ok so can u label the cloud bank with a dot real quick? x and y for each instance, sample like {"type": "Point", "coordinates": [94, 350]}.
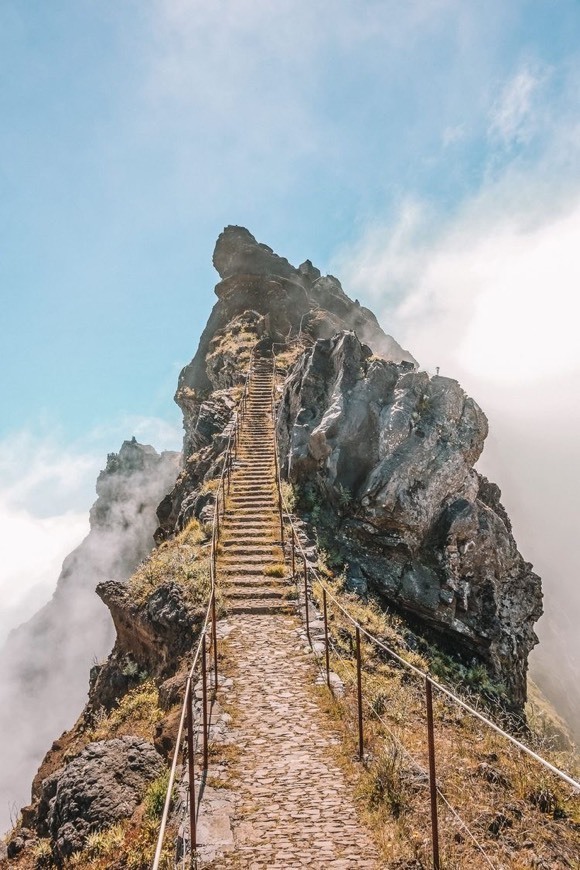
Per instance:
{"type": "Point", "coordinates": [490, 295]}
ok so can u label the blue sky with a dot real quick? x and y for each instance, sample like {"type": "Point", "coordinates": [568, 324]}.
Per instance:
{"type": "Point", "coordinates": [421, 150]}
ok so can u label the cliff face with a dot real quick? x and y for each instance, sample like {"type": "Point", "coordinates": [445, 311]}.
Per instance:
{"type": "Point", "coordinates": [393, 450]}
{"type": "Point", "coordinates": [44, 665]}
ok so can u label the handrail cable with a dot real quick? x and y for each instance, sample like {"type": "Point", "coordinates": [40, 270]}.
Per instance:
{"type": "Point", "coordinates": [396, 741]}
{"type": "Point", "coordinates": [211, 602]}
{"type": "Point", "coordinates": [424, 675]}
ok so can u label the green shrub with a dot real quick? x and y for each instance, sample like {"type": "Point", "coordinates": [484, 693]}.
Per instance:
{"type": "Point", "coordinates": [155, 796]}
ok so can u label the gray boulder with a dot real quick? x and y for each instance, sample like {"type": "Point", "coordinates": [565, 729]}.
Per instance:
{"type": "Point", "coordinates": [99, 787]}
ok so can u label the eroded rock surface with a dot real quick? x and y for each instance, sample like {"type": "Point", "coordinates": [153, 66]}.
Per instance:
{"type": "Point", "coordinates": [96, 789]}
{"type": "Point", "coordinates": [393, 449]}
{"type": "Point", "coordinates": [152, 636]}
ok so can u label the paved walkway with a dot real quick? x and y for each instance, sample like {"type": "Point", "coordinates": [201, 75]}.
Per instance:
{"type": "Point", "coordinates": [287, 803]}
{"type": "Point", "coordinates": [293, 805]}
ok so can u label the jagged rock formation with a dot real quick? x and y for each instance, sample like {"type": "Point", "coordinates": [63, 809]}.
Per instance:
{"type": "Point", "coordinates": [422, 528]}
{"type": "Point", "coordinates": [260, 296]}
{"type": "Point", "coordinates": [44, 666]}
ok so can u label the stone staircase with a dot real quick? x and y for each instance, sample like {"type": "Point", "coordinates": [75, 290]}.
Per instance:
{"type": "Point", "coordinates": [250, 540]}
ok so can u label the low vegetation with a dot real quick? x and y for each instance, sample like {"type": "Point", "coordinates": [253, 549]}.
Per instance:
{"type": "Point", "coordinates": [497, 806]}
{"type": "Point", "coordinates": [278, 569]}
{"type": "Point", "coordinates": [184, 560]}
{"type": "Point", "coordinates": [137, 713]}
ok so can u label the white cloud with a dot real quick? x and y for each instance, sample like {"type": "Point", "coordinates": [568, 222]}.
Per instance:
{"type": "Point", "coordinates": [454, 134]}
{"type": "Point", "coordinates": [46, 490]}
{"type": "Point", "coordinates": [491, 296]}
{"type": "Point", "coordinates": [512, 115]}
{"type": "Point", "coordinates": [505, 295]}
{"type": "Point", "coordinates": [40, 474]}
{"type": "Point", "coordinates": [45, 494]}
{"type": "Point", "coordinates": [33, 550]}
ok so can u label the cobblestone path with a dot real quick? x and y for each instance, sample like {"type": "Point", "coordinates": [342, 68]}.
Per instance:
{"type": "Point", "coordinates": [293, 805]}
{"type": "Point", "coordinates": [287, 803]}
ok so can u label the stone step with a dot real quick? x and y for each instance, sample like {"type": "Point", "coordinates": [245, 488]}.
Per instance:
{"type": "Point", "coordinates": [235, 569]}
{"type": "Point", "coordinates": [235, 502]}
{"type": "Point", "coordinates": [252, 498]}
{"type": "Point", "coordinates": [260, 607]}
{"type": "Point", "coordinates": [252, 560]}
{"type": "Point", "coordinates": [243, 580]}
{"type": "Point", "coordinates": [247, 533]}
{"type": "Point", "coordinates": [250, 472]}
{"type": "Point", "coordinates": [254, 520]}
{"type": "Point", "coordinates": [251, 549]}
{"type": "Point", "coordinates": [253, 592]}
{"type": "Point", "coordinates": [253, 491]}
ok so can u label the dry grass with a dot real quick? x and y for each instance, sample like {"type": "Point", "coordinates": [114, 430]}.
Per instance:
{"type": "Point", "coordinates": [521, 815]}
{"type": "Point", "coordinates": [185, 560]}
{"type": "Point", "coordinates": [137, 713]}
{"type": "Point", "coordinates": [278, 569]}
{"type": "Point", "coordinates": [130, 845]}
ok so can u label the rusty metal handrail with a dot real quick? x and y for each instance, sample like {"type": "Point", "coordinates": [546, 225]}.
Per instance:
{"type": "Point", "coordinates": [200, 650]}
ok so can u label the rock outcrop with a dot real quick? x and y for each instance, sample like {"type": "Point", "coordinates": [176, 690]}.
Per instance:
{"type": "Point", "coordinates": [45, 664]}
{"type": "Point", "coordinates": [152, 636]}
{"type": "Point", "coordinates": [99, 787]}
{"type": "Point", "coordinates": [393, 450]}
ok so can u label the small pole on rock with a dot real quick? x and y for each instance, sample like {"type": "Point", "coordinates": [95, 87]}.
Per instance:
{"type": "Point", "coordinates": [293, 555]}
{"type": "Point", "coordinates": [326, 638]}
{"type": "Point", "coordinates": [306, 598]}
{"type": "Point", "coordinates": [204, 700]}
{"type": "Point", "coordinates": [359, 696]}
{"type": "Point", "coordinates": [191, 770]}
{"type": "Point", "coordinates": [432, 777]}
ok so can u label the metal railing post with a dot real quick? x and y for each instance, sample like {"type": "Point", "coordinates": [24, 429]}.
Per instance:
{"type": "Point", "coordinates": [281, 517]}
{"type": "Point", "coordinates": [359, 696]}
{"type": "Point", "coordinates": [191, 771]}
{"type": "Point", "coordinates": [214, 641]}
{"type": "Point", "coordinates": [204, 700]}
{"type": "Point", "coordinates": [293, 555]}
{"type": "Point", "coordinates": [307, 617]}
{"type": "Point", "coordinates": [326, 655]}
{"type": "Point", "coordinates": [215, 552]}
{"type": "Point", "coordinates": [432, 777]}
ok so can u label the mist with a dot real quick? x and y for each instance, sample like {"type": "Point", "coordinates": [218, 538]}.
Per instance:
{"type": "Point", "coordinates": [45, 663]}
{"type": "Point", "coordinates": [490, 296]}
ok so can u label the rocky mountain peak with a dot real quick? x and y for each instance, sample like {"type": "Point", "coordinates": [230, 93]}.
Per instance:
{"type": "Point", "coordinates": [389, 450]}
{"type": "Point", "coordinates": [238, 253]}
